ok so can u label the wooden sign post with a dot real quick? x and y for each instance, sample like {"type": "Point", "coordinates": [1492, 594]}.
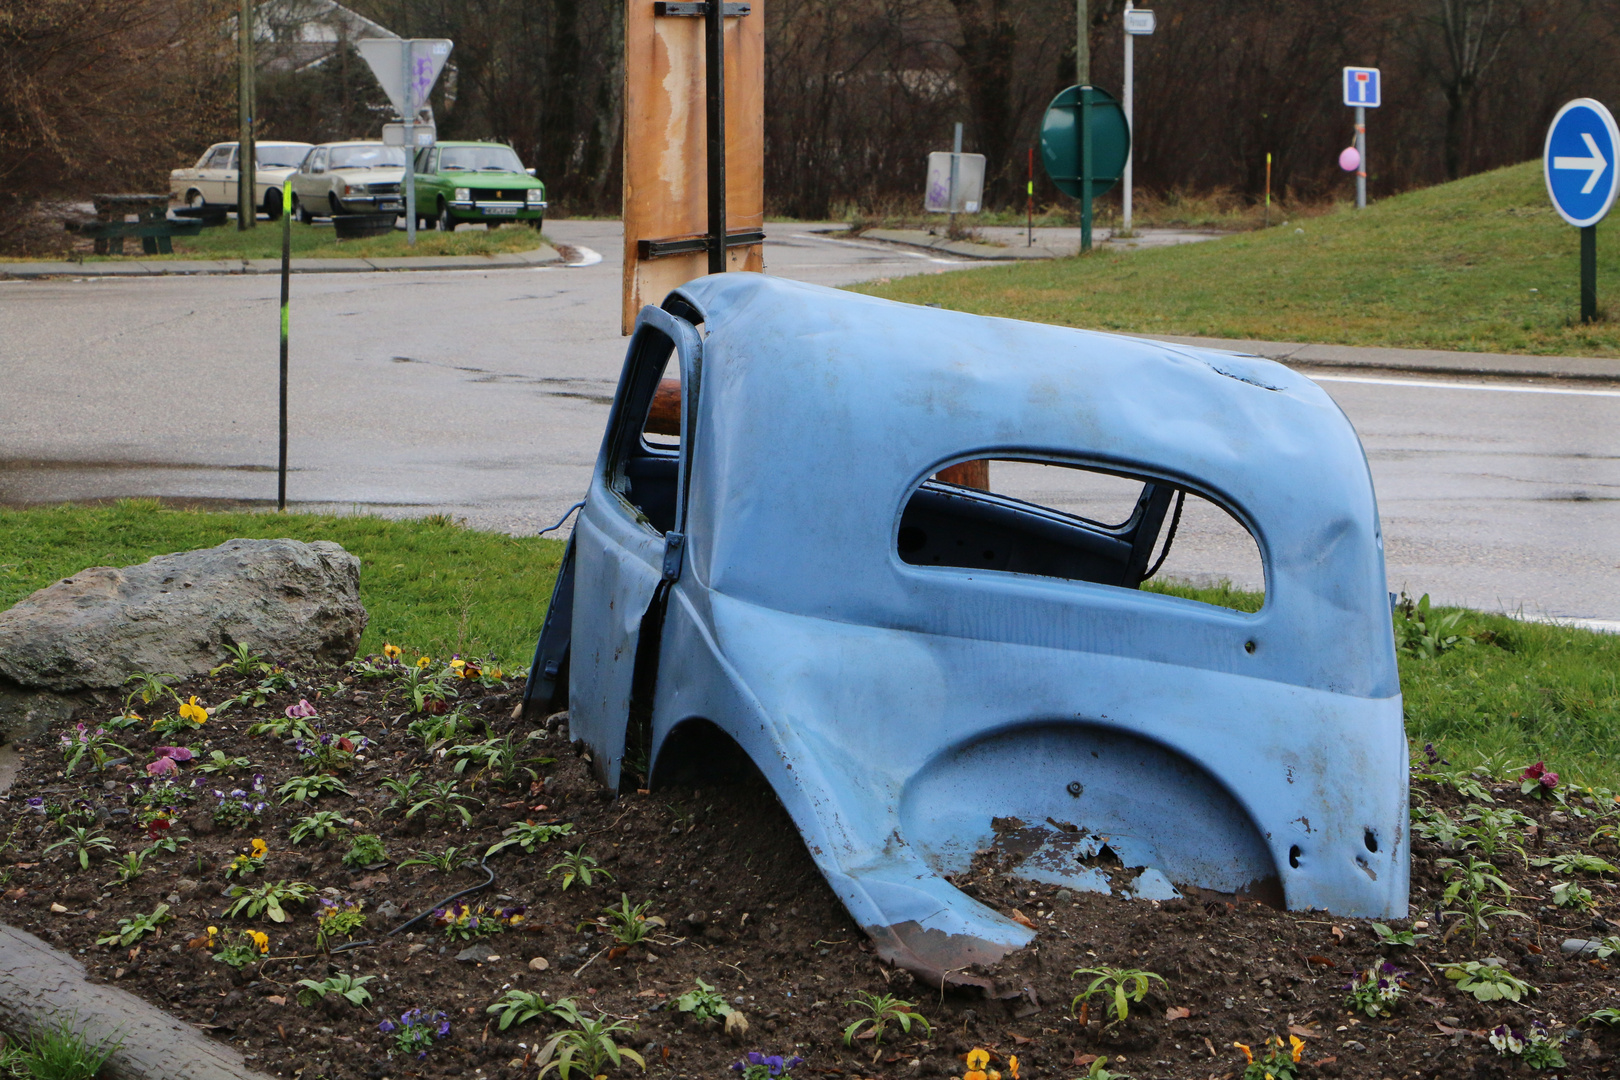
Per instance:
{"type": "Point", "coordinates": [689, 181]}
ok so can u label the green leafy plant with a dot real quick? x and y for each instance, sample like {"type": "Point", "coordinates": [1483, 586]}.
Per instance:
{"type": "Point", "coordinates": [282, 726]}
{"type": "Point", "coordinates": [1538, 1050]}
{"type": "Point", "coordinates": [1468, 893]}
{"type": "Point", "coordinates": [351, 988]}
{"type": "Point", "coordinates": [1493, 829]}
{"type": "Point", "coordinates": [443, 802]}
{"type": "Point", "coordinates": [1570, 894]}
{"type": "Point", "coordinates": [244, 661]}
{"type": "Point", "coordinates": [1098, 1070]}
{"type": "Point", "coordinates": [467, 922]}
{"type": "Point", "coordinates": [447, 861]}
{"type": "Point", "coordinates": [1421, 633]}
{"type": "Point", "coordinates": [249, 946]}
{"type": "Point", "coordinates": [82, 841]}
{"type": "Point", "coordinates": [58, 1051]}
{"type": "Point", "coordinates": [93, 743]}
{"type": "Point", "coordinates": [403, 791]}
{"type": "Point", "coordinates": [587, 1047]}
{"type": "Point", "coordinates": [135, 927]}
{"type": "Point", "coordinates": [629, 925]}
{"type": "Point", "coordinates": [500, 759]}
{"type": "Point", "coordinates": [1119, 986]}
{"type": "Point", "coordinates": [1277, 1061]}
{"type": "Point", "coordinates": [319, 825]}
{"type": "Point", "coordinates": [271, 898]}
{"type": "Point", "coordinates": [884, 1009]}
{"type": "Point", "coordinates": [528, 836]}
{"type": "Point", "coordinates": [307, 788]}
{"type": "Point", "coordinates": [521, 1006]}
{"type": "Point", "coordinates": [1488, 980]}
{"type": "Point", "coordinates": [147, 689]}
{"type": "Point", "coordinates": [1396, 939]}
{"type": "Point", "coordinates": [416, 1031]}
{"type": "Point", "coordinates": [133, 866]}
{"type": "Point", "coordinates": [703, 1002]}
{"type": "Point", "coordinates": [1607, 1017]}
{"type": "Point", "coordinates": [366, 849]}
{"type": "Point", "coordinates": [1575, 862]}
{"type": "Point", "coordinates": [424, 687]}
{"type": "Point", "coordinates": [335, 920]}
{"type": "Point", "coordinates": [1377, 991]}
{"type": "Point", "coordinates": [578, 866]}
{"type": "Point", "coordinates": [217, 762]}
{"type": "Point", "coordinates": [1435, 825]}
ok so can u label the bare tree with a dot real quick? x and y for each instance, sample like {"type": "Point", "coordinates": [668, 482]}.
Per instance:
{"type": "Point", "coordinates": [1457, 43]}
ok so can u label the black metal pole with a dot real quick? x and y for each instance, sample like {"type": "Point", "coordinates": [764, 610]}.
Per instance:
{"type": "Point", "coordinates": [286, 268]}
{"type": "Point", "coordinates": [1589, 273]}
{"type": "Point", "coordinates": [714, 55]}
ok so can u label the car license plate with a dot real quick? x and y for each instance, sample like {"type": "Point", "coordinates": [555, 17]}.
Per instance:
{"type": "Point", "coordinates": [498, 209]}
{"type": "Point", "coordinates": [389, 206]}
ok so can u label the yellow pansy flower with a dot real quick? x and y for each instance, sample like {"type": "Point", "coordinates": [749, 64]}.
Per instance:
{"type": "Point", "coordinates": [1298, 1044]}
{"type": "Point", "coordinates": [193, 711]}
{"type": "Point", "coordinates": [1247, 1053]}
{"type": "Point", "coordinates": [260, 848]}
{"type": "Point", "coordinates": [423, 661]}
{"type": "Point", "coordinates": [391, 651]}
{"type": "Point", "coordinates": [261, 940]}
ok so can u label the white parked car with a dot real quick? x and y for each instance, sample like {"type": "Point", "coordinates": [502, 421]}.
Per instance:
{"type": "Point", "coordinates": [213, 180]}
{"type": "Point", "coordinates": [349, 178]}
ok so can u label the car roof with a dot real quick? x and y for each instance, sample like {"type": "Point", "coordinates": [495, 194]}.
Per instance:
{"type": "Point", "coordinates": [474, 142]}
{"type": "Point", "coordinates": [905, 390]}
{"type": "Point", "coordinates": [351, 142]}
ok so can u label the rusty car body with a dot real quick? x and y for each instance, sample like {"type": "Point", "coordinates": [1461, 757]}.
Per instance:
{"type": "Point", "coordinates": [751, 589]}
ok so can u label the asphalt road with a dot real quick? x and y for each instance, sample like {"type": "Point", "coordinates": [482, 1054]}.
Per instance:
{"type": "Point", "coordinates": [483, 394]}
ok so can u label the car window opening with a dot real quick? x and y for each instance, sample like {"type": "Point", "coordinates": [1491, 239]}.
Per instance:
{"type": "Point", "coordinates": [652, 459]}
{"type": "Point", "coordinates": [1077, 523]}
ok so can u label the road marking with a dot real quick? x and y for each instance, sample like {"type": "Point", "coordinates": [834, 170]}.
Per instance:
{"type": "Point", "coordinates": [587, 257]}
{"type": "Point", "coordinates": [1424, 384]}
{"type": "Point", "coordinates": [896, 250]}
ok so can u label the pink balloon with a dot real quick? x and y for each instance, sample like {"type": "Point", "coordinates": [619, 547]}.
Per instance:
{"type": "Point", "coordinates": [1350, 159]}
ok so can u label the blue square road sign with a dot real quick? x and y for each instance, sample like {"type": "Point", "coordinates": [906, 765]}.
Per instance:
{"type": "Point", "coordinates": [1362, 87]}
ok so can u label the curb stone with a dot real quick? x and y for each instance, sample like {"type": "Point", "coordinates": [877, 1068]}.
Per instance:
{"type": "Point", "coordinates": [545, 255]}
{"type": "Point", "coordinates": [41, 986]}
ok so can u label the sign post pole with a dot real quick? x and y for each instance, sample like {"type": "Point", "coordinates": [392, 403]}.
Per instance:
{"type": "Point", "coordinates": [411, 107]}
{"type": "Point", "coordinates": [1363, 90]}
{"type": "Point", "coordinates": [1361, 149]}
{"type": "Point", "coordinates": [1579, 163]}
{"type": "Point", "coordinates": [956, 172]}
{"type": "Point", "coordinates": [1130, 83]}
{"type": "Point", "coordinates": [286, 268]}
{"type": "Point", "coordinates": [1082, 78]}
{"type": "Point", "coordinates": [407, 70]}
{"type": "Point", "coordinates": [1589, 274]}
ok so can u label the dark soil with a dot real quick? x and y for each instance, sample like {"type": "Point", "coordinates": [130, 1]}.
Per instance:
{"type": "Point", "coordinates": [747, 912]}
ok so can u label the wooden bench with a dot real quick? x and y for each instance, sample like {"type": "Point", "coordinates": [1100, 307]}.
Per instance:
{"type": "Point", "coordinates": [151, 224]}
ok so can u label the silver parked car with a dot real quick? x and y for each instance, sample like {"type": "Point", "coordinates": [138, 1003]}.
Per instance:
{"type": "Point", "coordinates": [213, 180]}
{"type": "Point", "coordinates": [349, 178]}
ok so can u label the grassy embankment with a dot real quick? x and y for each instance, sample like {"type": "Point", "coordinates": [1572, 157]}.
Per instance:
{"type": "Point", "coordinates": [1511, 693]}
{"type": "Point", "coordinates": [1482, 265]}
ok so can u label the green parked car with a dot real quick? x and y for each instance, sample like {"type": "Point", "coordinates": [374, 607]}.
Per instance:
{"type": "Point", "coordinates": [458, 182]}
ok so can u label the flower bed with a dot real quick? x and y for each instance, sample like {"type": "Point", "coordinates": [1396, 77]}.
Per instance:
{"type": "Point", "coordinates": [241, 853]}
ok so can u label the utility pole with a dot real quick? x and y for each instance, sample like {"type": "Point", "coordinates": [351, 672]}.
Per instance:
{"type": "Point", "coordinates": [246, 208]}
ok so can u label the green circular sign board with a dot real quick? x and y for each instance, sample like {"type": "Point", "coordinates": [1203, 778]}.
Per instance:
{"type": "Point", "coordinates": [1060, 140]}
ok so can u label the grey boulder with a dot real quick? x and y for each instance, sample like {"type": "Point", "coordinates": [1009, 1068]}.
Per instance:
{"type": "Point", "coordinates": [294, 603]}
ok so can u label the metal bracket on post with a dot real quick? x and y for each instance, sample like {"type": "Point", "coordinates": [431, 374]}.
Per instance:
{"type": "Point", "coordinates": [658, 249]}
{"type": "Point", "coordinates": [714, 16]}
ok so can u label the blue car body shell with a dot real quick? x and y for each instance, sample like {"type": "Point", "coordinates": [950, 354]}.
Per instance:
{"type": "Point", "coordinates": [909, 716]}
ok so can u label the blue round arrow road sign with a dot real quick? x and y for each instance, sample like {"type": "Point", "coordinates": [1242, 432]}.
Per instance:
{"type": "Point", "coordinates": [1580, 162]}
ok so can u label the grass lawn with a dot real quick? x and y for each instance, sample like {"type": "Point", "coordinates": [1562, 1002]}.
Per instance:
{"type": "Point", "coordinates": [1482, 264]}
{"type": "Point", "coordinates": [319, 241]}
{"type": "Point", "coordinates": [428, 584]}
{"type": "Point", "coordinates": [1510, 694]}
